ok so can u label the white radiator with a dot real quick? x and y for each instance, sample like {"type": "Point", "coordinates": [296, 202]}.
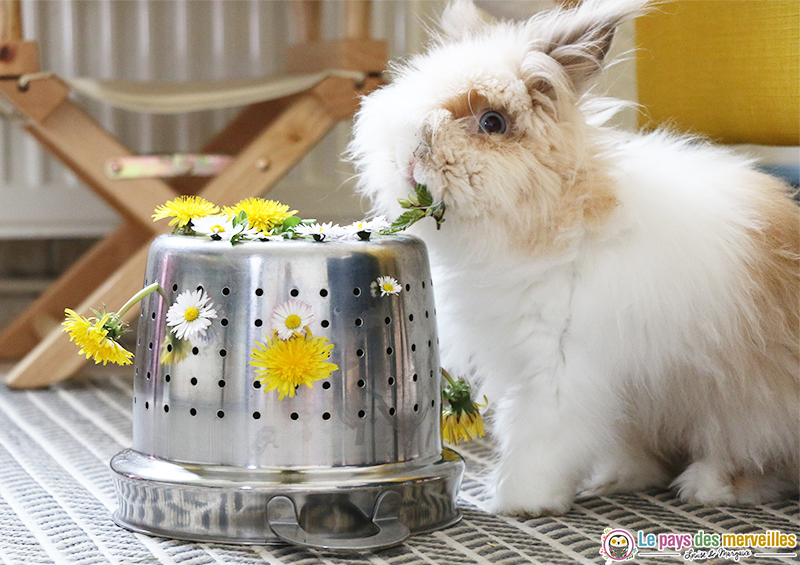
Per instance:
{"type": "Point", "coordinates": [177, 40]}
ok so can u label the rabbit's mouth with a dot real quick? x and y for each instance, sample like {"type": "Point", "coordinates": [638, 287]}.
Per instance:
{"type": "Point", "coordinates": [409, 172]}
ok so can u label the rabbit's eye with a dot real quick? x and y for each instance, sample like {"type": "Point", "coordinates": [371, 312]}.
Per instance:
{"type": "Point", "coordinates": [492, 122]}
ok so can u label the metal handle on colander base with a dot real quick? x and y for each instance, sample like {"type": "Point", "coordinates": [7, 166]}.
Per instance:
{"type": "Point", "coordinates": [282, 520]}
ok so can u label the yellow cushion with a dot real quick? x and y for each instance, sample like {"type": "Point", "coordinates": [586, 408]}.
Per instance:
{"type": "Point", "coordinates": [728, 69]}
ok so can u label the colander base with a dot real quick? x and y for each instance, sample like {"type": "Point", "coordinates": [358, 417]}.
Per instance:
{"type": "Point", "coordinates": [229, 504]}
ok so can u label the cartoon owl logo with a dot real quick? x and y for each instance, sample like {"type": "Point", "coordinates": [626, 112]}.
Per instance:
{"type": "Point", "coordinates": [618, 545]}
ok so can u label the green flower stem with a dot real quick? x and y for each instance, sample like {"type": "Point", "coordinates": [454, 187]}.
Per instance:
{"type": "Point", "coordinates": [448, 377]}
{"type": "Point", "coordinates": [146, 291]}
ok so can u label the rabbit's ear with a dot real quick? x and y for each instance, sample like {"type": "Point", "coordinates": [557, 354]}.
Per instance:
{"type": "Point", "coordinates": [579, 39]}
{"type": "Point", "coordinates": [460, 19]}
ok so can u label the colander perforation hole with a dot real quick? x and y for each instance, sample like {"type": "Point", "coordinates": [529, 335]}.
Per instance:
{"type": "Point", "coordinates": [433, 403]}
{"type": "Point", "coordinates": [195, 351]}
{"type": "Point", "coordinates": [256, 415]}
{"type": "Point", "coordinates": [359, 322]}
{"type": "Point", "coordinates": [193, 381]}
{"type": "Point", "coordinates": [411, 317]}
{"type": "Point", "coordinates": [408, 288]}
{"type": "Point", "coordinates": [360, 352]}
{"type": "Point", "coordinates": [223, 352]}
{"type": "Point", "coordinates": [256, 384]}
{"type": "Point", "coordinates": [391, 381]}
{"type": "Point", "coordinates": [147, 406]}
{"type": "Point", "coordinates": [226, 291]}
{"type": "Point", "coordinates": [259, 292]}
{"type": "Point", "coordinates": [361, 383]}
{"type": "Point", "coordinates": [423, 284]}
{"type": "Point", "coordinates": [326, 385]}
{"type": "Point", "coordinates": [323, 293]}
{"type": "Point", "coordinates": [192, 412]}
{"type": "Point", "coordinates": [150, 346]}
{"type": "Point", "coordinates": [356, 291]}
{"type": "Point", "coordinates": [169, 348]}
{"type": "Point", "coordinates": [258, 323]}
{"type": "Point", "coordinates": [221, 384]}
{"type": "Point", "coordinates": [153, 316]}
{"type": "Point", "coordinates": [362, 414]}
{"type": "Point", "coordinates": [415, 377]}
{"type": "Point", "coordinates": [416, 408]}
{"type": "Point", "coordinates": [389, 351]}
{"type": "Point", "coordinates": [166, 408]}
{"type": "Point", "coordinates": [392, 411]}
{"type": "Point", "coordinates": [326, 416]}
{"type": "Point", "coordinates": [294, 416]}
{"type": "Point", "coordinates": [200, 288]}
{"type": "Point", "coordinates": [223, 322]}
{"type": "Point", "coordinates": [294, 293]}
{"type": "Point", "coordinates": [167, 378]}
{"type": "Point", "coordinates": [147, 376]}
{"type": "Point", "coordinates": [175, 287]}
{"type": "Point", "coordinates": [324, 323]}
{"type": "Point", "coordinates": [413, 347]}
{"type": "Point", "coordinates": [220, 414]}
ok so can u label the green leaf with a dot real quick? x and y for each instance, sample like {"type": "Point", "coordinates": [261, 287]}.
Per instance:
{"type": "Point", "coordinates": [291, 221]}
{"type": "Point", "coordinates": [240, 219]}
{"type": "Point", "coordinates": [418, 206]}
{"type": "Point", "coordinates": [424, 197]}
{"type": "Point", "coordinates": [406, 220]}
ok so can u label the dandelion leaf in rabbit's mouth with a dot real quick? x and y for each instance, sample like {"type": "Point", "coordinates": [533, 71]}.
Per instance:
{"type": "Point", "coordinates": [417, 206]}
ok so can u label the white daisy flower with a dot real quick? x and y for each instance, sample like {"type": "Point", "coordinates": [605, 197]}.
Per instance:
{"type": "Point", "coordinates": [191, 314]}
{"type": "Point", "coordinates": [218, 227]}
{"type": "Point", "coordinates": [386, 286]}
{"type": "Point", "coordinates": [366, 226]}
{"type": "Point", "coordinates": [291, 317]}
{"type": "Point", "coordinates": [320, 232]}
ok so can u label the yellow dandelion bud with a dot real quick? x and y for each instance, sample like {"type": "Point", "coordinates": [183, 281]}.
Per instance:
{"type": "Point", "coordinates": [174, 350]}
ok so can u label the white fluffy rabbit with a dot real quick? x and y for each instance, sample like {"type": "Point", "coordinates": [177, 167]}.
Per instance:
{"type": "Point", "coordinates": [628, 303]}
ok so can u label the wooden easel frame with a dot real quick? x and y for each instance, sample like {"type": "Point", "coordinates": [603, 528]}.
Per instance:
{"type": "Point", "coordinates": [268, 138]}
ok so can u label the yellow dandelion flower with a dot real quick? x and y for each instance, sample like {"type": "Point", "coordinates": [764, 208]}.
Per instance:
{"type": "Point", "coordinates": [92, 336]}
{"type": "Point", "coordinates": [262, 214]}
{"type": "Point", "coordinates": [464, 427]}
{"type": "Point", "coordinates": [283, 365]}
{"type": "Point", "coordinates": [461, 417]}
{"type": "Point", "coordinates": [184, 209]}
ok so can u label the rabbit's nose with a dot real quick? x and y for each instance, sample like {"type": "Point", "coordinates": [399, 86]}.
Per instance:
{"type": "Point", "coordinates": [412, 164]}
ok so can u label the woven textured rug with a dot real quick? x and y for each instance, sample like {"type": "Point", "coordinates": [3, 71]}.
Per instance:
{"type": "Point", "coordinates": [56, 500]}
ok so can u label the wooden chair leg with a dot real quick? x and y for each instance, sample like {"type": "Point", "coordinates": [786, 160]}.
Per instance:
{"type": "Point", "coordinates": [237, 135]}
{"type": "Point", "coordinates": [257, 168]}
{"type": "Point", "coordinates": [55, 357]}
{"type": "Point", "coordinates": [47, 311]}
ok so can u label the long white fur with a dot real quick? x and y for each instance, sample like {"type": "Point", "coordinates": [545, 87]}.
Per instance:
{"type": "Point", "coordinates": [621, 345]}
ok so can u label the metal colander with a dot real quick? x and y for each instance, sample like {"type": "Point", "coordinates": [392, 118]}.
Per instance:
{"type": "Point", "coordinates": [355, 462]}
